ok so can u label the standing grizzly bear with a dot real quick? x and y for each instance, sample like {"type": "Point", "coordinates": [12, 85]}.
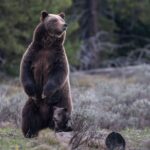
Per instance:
{"type": "Point", "coordinates": [44, 74]}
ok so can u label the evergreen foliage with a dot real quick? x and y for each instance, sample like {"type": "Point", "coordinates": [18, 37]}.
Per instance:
{"type": "Point", "coordinates": [128, 20]}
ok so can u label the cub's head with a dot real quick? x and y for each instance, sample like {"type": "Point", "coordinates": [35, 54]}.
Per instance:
{"type": "Point", "coordinates": [54, 24]}
{"type": "Point", "coordinates": [115, 141]}
{"type": "Point", "coordinates": [61, 119]}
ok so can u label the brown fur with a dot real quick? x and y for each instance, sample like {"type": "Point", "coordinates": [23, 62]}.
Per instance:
{"type": "Point", "coordinates": [36, 117]}
{"type": "Point", "coordinates": [44, 70]}
{"type": "Point", "coordinates": [61, 119]}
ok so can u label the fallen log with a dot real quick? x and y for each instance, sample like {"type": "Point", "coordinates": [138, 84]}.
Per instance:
{"type": "Point", "coordinates": [103, 140]}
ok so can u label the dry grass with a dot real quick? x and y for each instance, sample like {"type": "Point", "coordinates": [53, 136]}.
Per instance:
{"type": "Point", "coordinates": [112, 101]}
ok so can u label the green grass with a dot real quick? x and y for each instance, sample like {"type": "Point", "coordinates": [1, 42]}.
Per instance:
{"type": "Point", "coordinates": [136, 137]}
{"type": "Point", "coordinates": [12, 139]}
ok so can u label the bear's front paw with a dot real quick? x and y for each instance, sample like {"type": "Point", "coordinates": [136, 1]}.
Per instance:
{"type": "Point", "coordinates": [30, 89]}
{"type": "Point", "coordinates": [33, 98]}
{"type": "Point", "coordinates": [43, 96]}
{"type": "Point", "coordinates": [46, 93]}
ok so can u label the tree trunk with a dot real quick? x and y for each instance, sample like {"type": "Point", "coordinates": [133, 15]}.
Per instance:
{"type": "Point", "coordinates": [90, 25]}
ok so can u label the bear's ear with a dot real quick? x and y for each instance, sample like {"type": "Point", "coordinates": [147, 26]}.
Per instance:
{"type": "Point", "coordinates": [62, 15]}
{"type": "Point", "coordinates": [44, 14]}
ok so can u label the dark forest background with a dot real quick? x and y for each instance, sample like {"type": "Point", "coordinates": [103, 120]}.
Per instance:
{"type": "Point", "coordinates": [101, 33]}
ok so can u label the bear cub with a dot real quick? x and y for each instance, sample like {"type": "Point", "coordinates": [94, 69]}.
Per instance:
{"type": "Point", "coordinates": [61, 119]}
{"type": "Point", "coordinates": [115, 141]}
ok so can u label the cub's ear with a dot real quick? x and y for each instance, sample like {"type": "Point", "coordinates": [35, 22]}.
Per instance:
{"type": "Point", "coordinates": [62, 15]}
{"type": "Point", "coordinates": [44, 14]}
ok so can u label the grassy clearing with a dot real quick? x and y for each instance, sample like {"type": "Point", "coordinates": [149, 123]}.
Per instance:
{"type": "Point", "coordinates": [139, 139]}
{"type": "Point", "coordinates": [110, 100]}
{"type": "Point", "coordinates": [12, 139]}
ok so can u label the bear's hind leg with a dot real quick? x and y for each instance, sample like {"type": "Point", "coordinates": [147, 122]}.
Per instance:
{"type": "Point", "coordinates": [31, 121]}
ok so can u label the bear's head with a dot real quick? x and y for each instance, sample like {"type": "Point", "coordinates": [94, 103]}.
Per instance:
{"type": "Point", "coordinates": [61, 118]}
{"type": "Point", "coordinates": [54, 24]}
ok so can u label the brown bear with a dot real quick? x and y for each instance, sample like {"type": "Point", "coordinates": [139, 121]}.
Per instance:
{"type": "Point", "coordinates": [44, 72]}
